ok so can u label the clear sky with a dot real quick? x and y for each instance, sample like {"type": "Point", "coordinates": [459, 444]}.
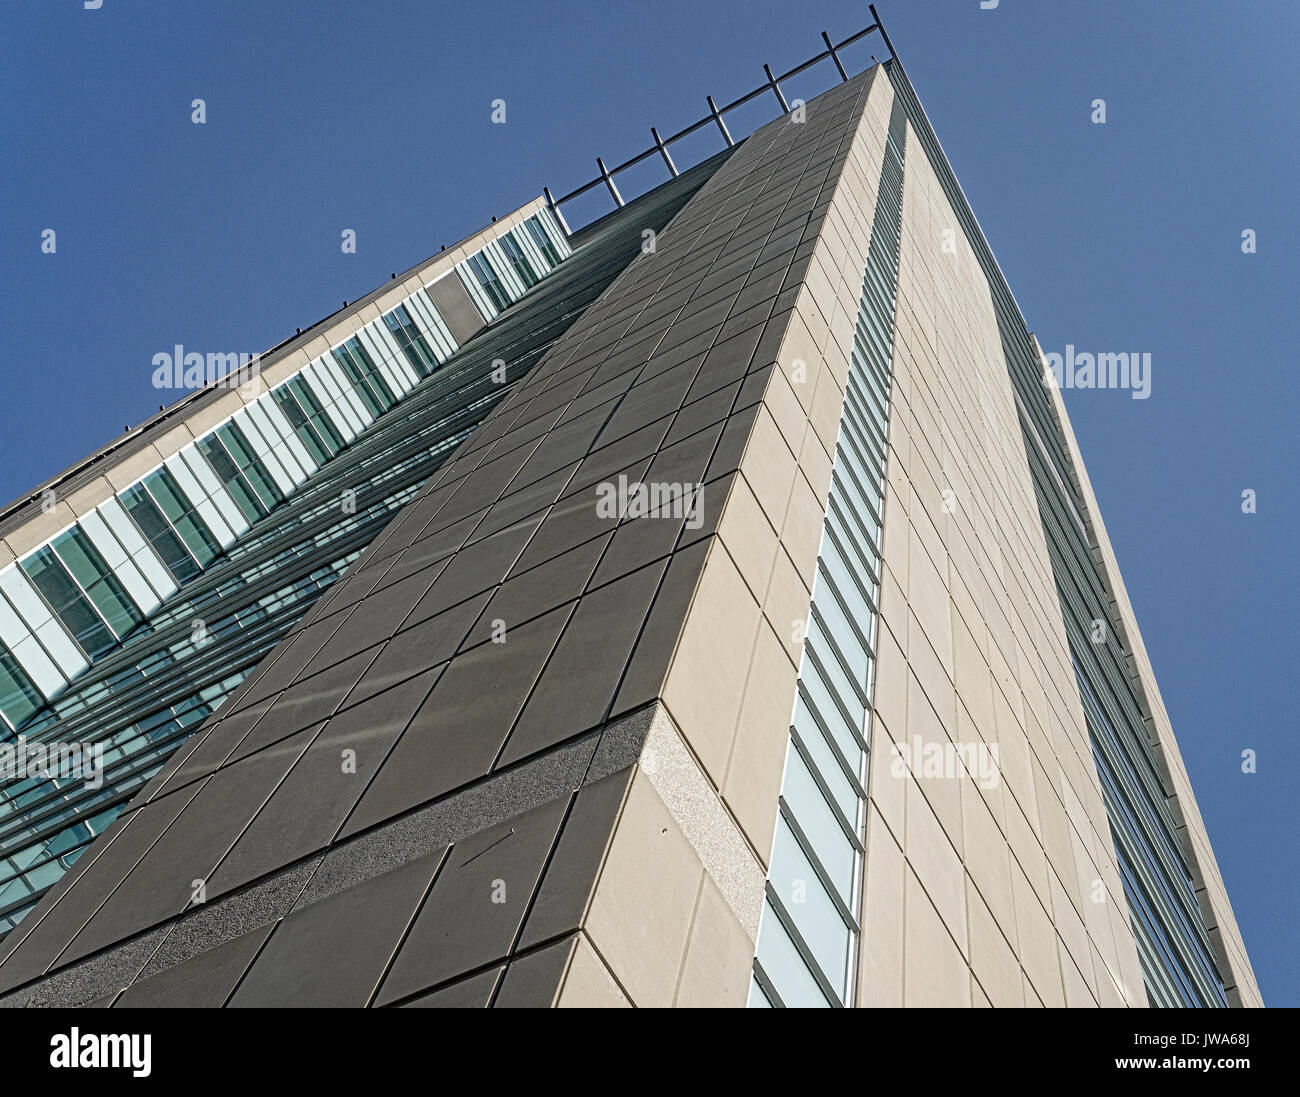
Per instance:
{"type": "Point", "coordinates": [326, 115]}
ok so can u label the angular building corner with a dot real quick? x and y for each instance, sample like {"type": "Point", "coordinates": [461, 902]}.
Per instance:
{"type": "Point", "coordinates": [711, 627]}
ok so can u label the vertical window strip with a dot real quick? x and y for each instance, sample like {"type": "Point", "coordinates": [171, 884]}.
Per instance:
{"type": "Point", "coordinates": [808, 936]}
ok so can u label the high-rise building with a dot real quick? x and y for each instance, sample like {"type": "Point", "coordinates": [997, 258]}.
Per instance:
{"type": "Point", "coordinates": [705, 607]}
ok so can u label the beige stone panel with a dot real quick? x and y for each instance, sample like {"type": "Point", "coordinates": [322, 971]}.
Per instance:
{"type": "Point", "coordinates": [201, 422]}
{"type": "Point", "coordinates": [801, 533]}
{"type": "Point", "coordinates": [284, 368]}
{"type": "Point", "coordinates": [651, 873]}
{"type": "Point", "coordinates": [895, 536]}
{"type": "Point", "coordinates": [936, 863]}
{"type": "Point", "coordinates": [800, 357]}
{"type": "Point", "coordinates": [887, 790]}
{"type": "Point", "coordinates": [927, 597]}
{"type": "Point", "coordinates": [992, 959]}
{"type": "Point", "coordinates": [588, 983]}
{"type": "Point", "coordinates": [815, 466]}
{"type": "Point", "coordinates": [753, 775]}
{"type": "Point", "coordinates": [715, 973]}
{"type": "Point", "coordinates": [824, 414]}
{"type": "Point", "coordinates": [880, 963]}
{"type": "Point", "coordinates": [931, 678]}
{"type": "Point", "coordinates": [705, 683]}
{"type": "Point", "coordinates": [88, 497]}
{"type": "Point", "coordinates": [1070, 928]}
{"type": "Point", "coordinates": [987, 858]}
{"type": "Point", "coordinates": [769, 467]}
{"type": "Point", "coordinates": [39, 529]}
{"type": "Point", "coordinates": [787, 412]}
{"type": "Point", "coordinates": [787, 604]}
{"type": "Point", "coordinates": [973, 679]}
{"type": "Point", "coordinates": [890, 701]}
{"type": "Point", "coordinates": [935, 973]}
{"type": "Point", "coordinates": [1078, 991]}
{"type": "Point", "coordinates": [1027, 848]}
{"type": "Point", "coordinates": [749, 537]}
{"type": "Point", "coordinates": [127, 471]}
{"type": "Point", "coordinates": [1036, 942]}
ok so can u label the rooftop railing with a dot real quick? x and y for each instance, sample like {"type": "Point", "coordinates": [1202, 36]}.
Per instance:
{"type": "Point", "coordinates": [717, 116]}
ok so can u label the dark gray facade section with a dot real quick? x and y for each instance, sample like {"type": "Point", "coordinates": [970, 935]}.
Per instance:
{"type": "Point", "coordinates": [503, 636]}
{"type": "Point", "coordinates": [458, 312]}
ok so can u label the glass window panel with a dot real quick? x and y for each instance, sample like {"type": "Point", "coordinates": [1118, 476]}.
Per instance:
{"type": "Point", "coordinates": [817, 818]}
{"type": "Point", "coordinates": [805, 898]}
{"type": "Point", "coordinates": [785, 967]}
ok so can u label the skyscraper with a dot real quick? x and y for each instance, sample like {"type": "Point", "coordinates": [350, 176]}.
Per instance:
{"type": "Point", "coordinates": [705, 607]}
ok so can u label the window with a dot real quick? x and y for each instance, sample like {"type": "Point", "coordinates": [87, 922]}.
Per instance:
{"type": "Point", "coordinates": [228, 473]}
{"type": "Point", "coordinates": [166, 493]}
{"type": "Point", "coordinates": [18, 696]}
{"type": "Point", "coordinates": [411, 341]}
{"type": "Point", "coordinates": [365, 377]}
{"type": "Point", "coordinates": [96, 578]}
{"type": "Point", "coordinates": [543, 241]}
{"type": "Point", "coordinates": [319, 419]}
{"type": "Point", "coordinates": [518, 260]}
{"type": "Point", "coordinates": [68, 602]}
{"type": "Point", "coordinates": [487, 278]}
{"type": "Point", "coordinates": [248, 462]}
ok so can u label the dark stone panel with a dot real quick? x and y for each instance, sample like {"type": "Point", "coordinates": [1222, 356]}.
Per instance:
{"type": "Point", "coordinates": [608, 460]}
{"type": "Point", "coordinates": [231, 916]}
{"type": "Point", "coordinates": [483, 487]}
{"type": "Point", "coordinates": [205, 982]}
{"type": "Point", "coordinates": [309, 806]}
{"type": "Point", "coordinates": [532, 593]}
{"type": "Point", "coordinates": [433, 551]}
{"type": "Point", "coordinates": [334, 953]}
{"type": "Point", "coordinates": [525, 502]}
{"type": "Point", "coordinates": [215, 748]}
{"type": "Point", "coordinates": [572, 874]}
{"type": "Point", "coordinates": [564, 446]}
{"type": "Point", "coordinates": [418, 648]}
{"type": "Point", "coordinates": [476, 568]}
{"type": "Point", "coordinates": [533, 981]}
{"type": "Point", "coordinates": [700, 412]}
{"type": "Point", "coordinates": [654, 650]}
{"type": "Point", "coordinates": [472, 993]}
{"type": "Point", "coordinates": [578, 684]}
{"type": "Point", "coordinates": [457, 734]}
{"type": "Point", "coordinates": [649, 402]}
{"type": "Point", "coordinates": [305, 703]}
{"type": "Point", "coordinates": [731, 446]}
{"type": "Point", "coordinates": [372, 622]}
{"type": "Point", "coordinates": [478, 903]}
{"type": "Point", "coordinates": [573, 521]}
{"type": "Point", "coordinates": [728, 361]}
{"type": "Point", "coordinates": [456, 307]}
{"type": "Point", "coordinates": [463, 813]}
{"type": "Point", "coordinates": [112, 863]}
{"type": "Point", "coordinates": [288, 665]}
{"type": "Point", "coordinates": [160, 886]}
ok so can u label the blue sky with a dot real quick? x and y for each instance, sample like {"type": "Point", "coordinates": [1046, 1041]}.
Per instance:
{"type": "Point", "coordinates": [324, 115]}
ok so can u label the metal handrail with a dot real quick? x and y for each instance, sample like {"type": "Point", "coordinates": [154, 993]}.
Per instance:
{"type": "Point", "coordinates": [716, 116]}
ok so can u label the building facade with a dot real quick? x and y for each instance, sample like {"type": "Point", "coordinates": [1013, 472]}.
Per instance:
{"type": "Point", "coordinates": [705, 608]}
